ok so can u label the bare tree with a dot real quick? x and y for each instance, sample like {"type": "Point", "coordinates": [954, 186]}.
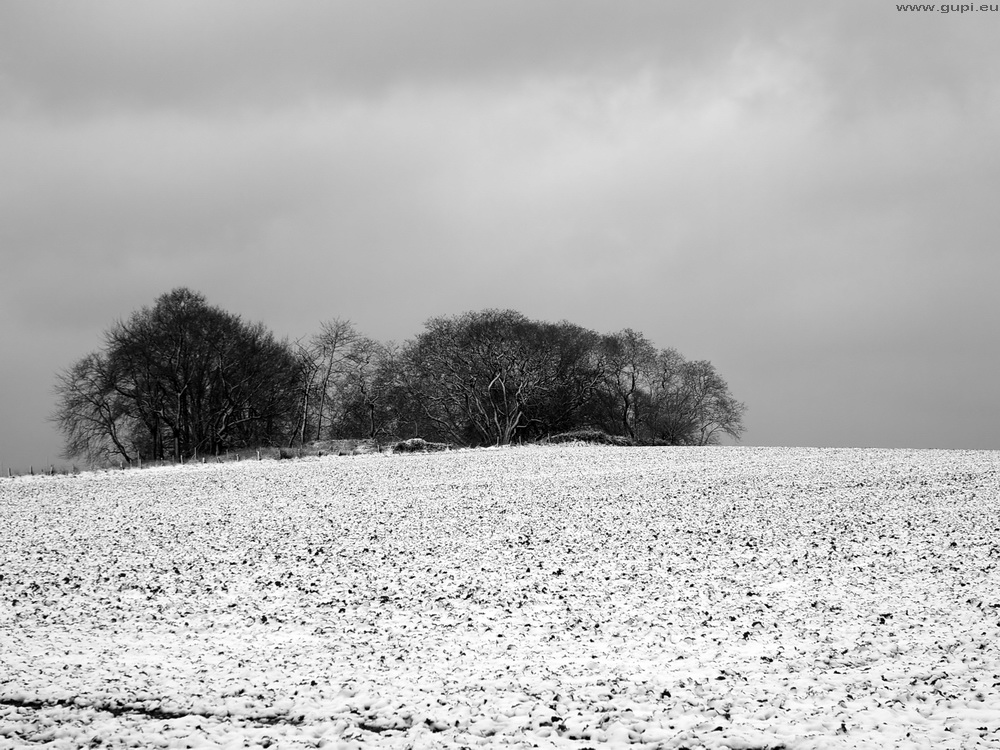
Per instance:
{"type": "Point", "coordinates": [368, 387]}
{"type": "Point", "coordinates": [92, 415]}
{"type": "Point", "coordinates": [474, 375]}
{"type": "Point", "coordinates": [334, 343]}
{"type": "Point", "coordinates": [629, 360]}
{"type": "Point", "coordinates": [494, 376]}
{"type": "Point", "coordinates": [690, 403]}
{"type": "Point", "coordinates": [309, 367]}
{"type": "Point", "coordinates": [325, 364]}
{"type": "Point", "coordinates": [180, 377]}
{"type": "Point", "coordinates": [716, 412]}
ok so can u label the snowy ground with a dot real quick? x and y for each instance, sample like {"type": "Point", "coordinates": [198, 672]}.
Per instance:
{"type": "Point", "coordinates": [535, 597]}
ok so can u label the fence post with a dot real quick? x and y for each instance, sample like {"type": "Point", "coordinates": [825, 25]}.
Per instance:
{"type": "Point", "coordinates": [258, 455]}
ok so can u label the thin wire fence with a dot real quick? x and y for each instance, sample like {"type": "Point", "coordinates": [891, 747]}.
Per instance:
{"type": "Point", "coordinates": [320, 449]}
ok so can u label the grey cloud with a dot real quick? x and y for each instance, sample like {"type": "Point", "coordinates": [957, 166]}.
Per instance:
{"type": "Point", "coordinates": [82, 57]}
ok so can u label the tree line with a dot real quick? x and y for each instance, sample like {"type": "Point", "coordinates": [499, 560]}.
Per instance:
{"type": "Point", "coordinates": [183, 378]}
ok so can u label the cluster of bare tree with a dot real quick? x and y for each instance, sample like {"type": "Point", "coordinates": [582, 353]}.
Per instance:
{"type": "Point", "coordinates": [496, 377]}
{"type": "Point", "coordinates": [175, 380]}
{"type": "Point", "coordinates": [183, 378]}
{"type": "Point", "coordinates": [345, 378]}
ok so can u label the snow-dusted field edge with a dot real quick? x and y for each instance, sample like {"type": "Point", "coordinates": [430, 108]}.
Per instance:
{"type": "Point", "coordinates": [549, 597]}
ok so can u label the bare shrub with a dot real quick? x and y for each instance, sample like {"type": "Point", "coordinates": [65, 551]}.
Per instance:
{"type": "Point", "coordinates": [589, 436]}
{"type": "Point", "coordinates": [419, 445]}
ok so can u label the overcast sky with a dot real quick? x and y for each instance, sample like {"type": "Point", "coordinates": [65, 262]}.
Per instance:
{"type": "Point", "coordinates": [805, 193]}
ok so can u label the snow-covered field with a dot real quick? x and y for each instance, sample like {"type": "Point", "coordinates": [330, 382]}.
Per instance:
{"type": "Point", "coordinates": [533, 597]}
